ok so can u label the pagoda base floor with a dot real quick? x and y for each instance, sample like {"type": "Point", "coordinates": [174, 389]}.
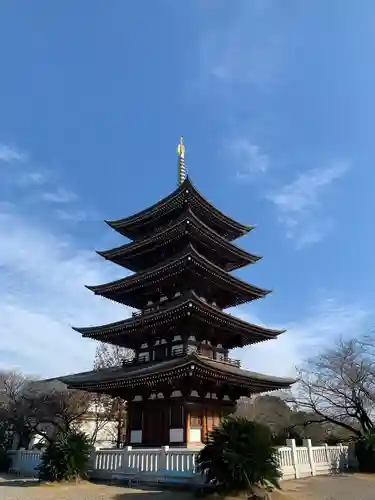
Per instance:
{"type": "Point", "coordinates": [180, 424]}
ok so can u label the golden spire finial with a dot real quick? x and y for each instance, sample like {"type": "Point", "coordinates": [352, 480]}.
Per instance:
{"type": "Point", "coordinates": [181, 148]}
{"type": "Point", "coordinates": [181, 161]}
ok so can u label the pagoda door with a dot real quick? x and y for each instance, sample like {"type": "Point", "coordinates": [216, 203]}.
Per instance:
{"type": "Point", "coordinates": [160, 351]}
{"type": "Point", "coordinates": [153, 432]}
{"type": "Point", "coordinates": [206, 350]}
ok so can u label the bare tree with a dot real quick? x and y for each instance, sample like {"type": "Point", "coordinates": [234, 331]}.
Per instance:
{"type": "Point", "coordinates": [11, 384]}
{"type": "Point", "coordinates": [45, 408]}
{"type": "Point", "coordinates": [268, 409]}
{"type": "Point", "coordinates": [338, 386]}
{"type": "Point", "coordinates": [107, 356]}
{"type": "Point", "coordinates": [286, 421]}
{"type": "Point", "coordinates": [30, 407]}
{"type": "Point", "coordinates": [42, 408]}
{"type": "Point", "coordinates": [101, 412]}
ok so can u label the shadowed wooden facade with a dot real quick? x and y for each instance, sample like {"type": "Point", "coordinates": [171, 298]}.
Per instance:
{"type": "Point", "coordinates": [181, 381]}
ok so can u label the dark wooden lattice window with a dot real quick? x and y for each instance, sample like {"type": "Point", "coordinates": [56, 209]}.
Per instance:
{"type": "Point", "coordinates": [136, 418]}
{"type": "Point", "coordinates": [195, 420]}
{"type": "Point", "coordinates": [160, 352]}
{"type": "Point", "coordinates": [217, 420]}
{"type": "Point", "coordinates": [176, 417]}
{"type": "Point", "coordinates": [206, 350]}
{"type": "Point", "coordinates": [210, 422]}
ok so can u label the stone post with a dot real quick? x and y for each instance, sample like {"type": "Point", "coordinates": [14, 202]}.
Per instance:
{"type": "Point", "coordinates": [92, 460]}
{"type": "Point", "coordinates": [164, 459]}
{"type": "Point", "coordinates": [126, 462]}
{"type": "Point", "coordinates": [291, 443]}
{"type": "Point", "coordinates": [328, 456]}
{"type": "Point", "coordinates": [308, 445]}
{"type": "Point", "coordinates": [15, 441]}
{"type": "Point", "coordinates": [343, 460]}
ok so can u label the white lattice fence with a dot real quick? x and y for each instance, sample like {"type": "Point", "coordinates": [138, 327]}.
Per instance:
{"type": "Point", "coordinates": [163, 463]}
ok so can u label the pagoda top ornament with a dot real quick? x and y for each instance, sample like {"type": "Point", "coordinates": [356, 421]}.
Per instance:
{"type": "Point", "coordinates": [181, 148]}
{"type": "Point", "coordinates": [181, 161]}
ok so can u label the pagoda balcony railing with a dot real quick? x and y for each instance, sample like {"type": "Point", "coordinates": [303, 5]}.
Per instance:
{"type": "Point", "coordinates": [183, 352]}
{"type": "Point", "coordinates": [163, 304]}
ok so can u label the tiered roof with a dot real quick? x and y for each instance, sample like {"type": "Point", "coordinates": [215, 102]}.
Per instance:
{"type": "Point", "coordinates": [171, 317]}
{"type": "Point", "coordinates": [181, 254]}
{"type": "Point", "coordinates": [167, 210]}
{"type": "Point", "coordinates": [184, 272]}
{"type": "Point", "coordinates": [110, 380]}
{"type": "Point", "coordinates": [139, 254]}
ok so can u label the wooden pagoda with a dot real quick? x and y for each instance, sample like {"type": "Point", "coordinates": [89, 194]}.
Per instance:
{"type": "Point", "coordinates": [181, 381]}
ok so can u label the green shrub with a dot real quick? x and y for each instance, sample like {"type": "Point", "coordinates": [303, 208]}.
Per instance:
{"type": "Point", "coordinates": [66, 458]}
{"type": "Point", "coordinates": [5, 461]}
{"type": "Point", "coordinates": [5, 445]}
{"type": "Point", "coordinates": [365, 452]}
{"type": "Point", "coordinates": [239, 456]}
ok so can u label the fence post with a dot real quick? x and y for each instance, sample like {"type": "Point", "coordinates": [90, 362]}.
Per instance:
{"type": "Point", "coordinates": [352, 458]}
{"type": "Point", "coordinates": [93, 458]}
{"type": "Point", "coordinates": [164, 459]}
{"type": "Point", "coordinates": [308, 445]}
{"type": "Point", "coordinates": [328, 455]}
{"type": "Point", "coordinates": [13, 454]}
{"type": "Point", "coordinates": [126, 462]}
{"type": "Point", "coordinates": [291, 443]}
{"type": "Point", "coordinates": [343, 458]}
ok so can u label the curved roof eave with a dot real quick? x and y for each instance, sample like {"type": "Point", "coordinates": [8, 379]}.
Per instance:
{"type": "Point", "coordinates": [148, 213]}
{"type": "Point", "coordinates": [189, 213]}
{"type": "Point", "coordinates": [110, 376]}
{"type": "Point", "coordinates": [189, 251]}
{"type": "Point", "coordinates": [118, 327]}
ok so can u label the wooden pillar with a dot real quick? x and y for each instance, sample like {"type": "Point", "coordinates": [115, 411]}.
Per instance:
{"type": "Point", "coordinates": [151, 351]}
{"type": "Point", "coordinates": [204, 425]}
{"type": "Point", "coordinates": [166, 423]}
{"type": "Point", "coordinates": [128, 423]}
{"type": "Point", "coordinates": [222, 414]}
{"type": "Point", "coordinates": [184, 342]}
{"type": "Point", "coordinates": [216, 419]}
{"type": "Point", "coordinates": [127, 435]}
{"type": "Point", "coordinates": [187, 426]}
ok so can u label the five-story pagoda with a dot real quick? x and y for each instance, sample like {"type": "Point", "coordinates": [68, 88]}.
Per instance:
{"type": "Point", "coordinates": [181, 381]}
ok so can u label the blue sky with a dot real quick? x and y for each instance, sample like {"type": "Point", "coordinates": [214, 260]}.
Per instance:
{"type": "Point", "coordinates": [275, 101]}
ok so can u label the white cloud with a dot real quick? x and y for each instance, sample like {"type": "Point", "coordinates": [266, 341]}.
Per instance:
{"type": "Point", "coordinates": [248, 49]}
{"type": "Point", "coordinates": [298, 203]}
{"type": "Point", "coordinates": [10, 155]}
{"type": "Point", "coordinates": [253, 63]}
{"type": "Point", "coordinates": [249, 158]}
{"type": "Point", "coordinates": [42, 294]}
{"type": "Point", "coordinates": [61, 195]}
{"type": "Point", "coordinates": [32, 178]}
{"type": "Point", "coordinates": [25, 176]}
{"type": "Point", "coordinates": [327, 321]}
{"type": "Point", "coordinates": [303, 192]}
{"type": "Point", "coordinates": [75, 216]}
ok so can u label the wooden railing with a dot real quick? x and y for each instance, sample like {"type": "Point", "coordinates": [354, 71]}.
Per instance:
{"type": "Point", "coordinates": [164, 464]}
{"type": "Point", "coordinates": [182, 352]}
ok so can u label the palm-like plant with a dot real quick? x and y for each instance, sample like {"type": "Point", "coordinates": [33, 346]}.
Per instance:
{"type": "Point", "coordinates": [66, 458]}
{"type": "Point", "coordinates": [239, 456]}
{"type": "Point", "coordinates": [365, 452]}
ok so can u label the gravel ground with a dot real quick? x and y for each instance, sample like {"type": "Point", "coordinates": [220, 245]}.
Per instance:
{"type": "Point", "coordinates": [16, 489]}
{"type": "Point", "coordinates": [341, 487]}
